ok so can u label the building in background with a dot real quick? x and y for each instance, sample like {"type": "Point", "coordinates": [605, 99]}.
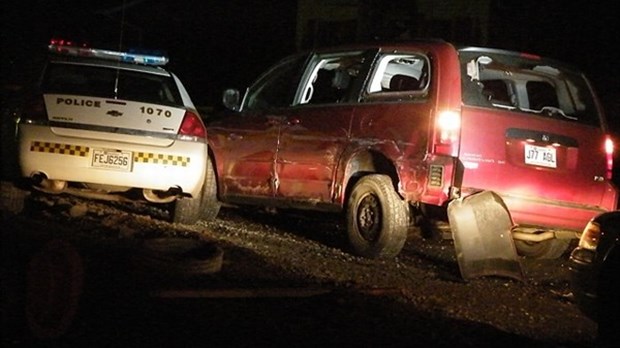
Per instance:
{"type": "Point", "coordinates": [330, 22]}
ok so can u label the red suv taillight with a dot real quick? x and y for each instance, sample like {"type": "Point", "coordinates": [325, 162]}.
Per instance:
{"type": "Point", "coordinates": [609, 157]}
{"type": "Point", "coordinates": [447, 133]}
{"type": "Point", "coordinates": [192, 126]}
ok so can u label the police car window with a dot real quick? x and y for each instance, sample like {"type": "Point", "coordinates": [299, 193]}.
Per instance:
{"type": "Point", "coordinates": [148, 88]}
{"type": "Point", "coordinates": [100, 82]}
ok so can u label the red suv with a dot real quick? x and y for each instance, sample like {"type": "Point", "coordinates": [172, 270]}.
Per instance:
{"type": "Point", "coordinates": [378, 132]}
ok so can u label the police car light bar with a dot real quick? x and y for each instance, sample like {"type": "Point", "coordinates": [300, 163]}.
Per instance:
{"type": "Point", "coordinates": [67, 48]}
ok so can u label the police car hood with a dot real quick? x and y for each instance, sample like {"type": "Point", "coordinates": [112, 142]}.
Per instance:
{"type": "Point", "coordinates": [113, 119]}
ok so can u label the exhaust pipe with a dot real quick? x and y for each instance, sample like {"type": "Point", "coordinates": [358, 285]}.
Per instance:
{"type": "Point", "coordinates": [158, 196]}
{"type": "Point", "coordinates": [38, 178]}
{"type": "Point", "coordinates": [44, 184]}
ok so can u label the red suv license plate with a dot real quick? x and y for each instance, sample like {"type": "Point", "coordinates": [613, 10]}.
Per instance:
{"type": "Point", "coordinates": [540, 156]}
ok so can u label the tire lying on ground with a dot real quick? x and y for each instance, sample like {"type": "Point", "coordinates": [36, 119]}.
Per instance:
{"type": "Point", "coordinates": [170, 259]}
{"type": "Point", "coordinates": [54, 284]}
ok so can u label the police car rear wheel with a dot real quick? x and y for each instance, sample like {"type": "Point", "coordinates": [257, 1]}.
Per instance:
{"type": "Point", "coordinates": [186, 210]}
{"type": "Point", "coordinates": [210, 206]}
{"type": "Point", "coordinates": [205, 205]}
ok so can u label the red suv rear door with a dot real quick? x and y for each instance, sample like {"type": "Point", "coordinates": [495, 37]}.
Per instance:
{"type": "Point", "coordinates": [532, 131]}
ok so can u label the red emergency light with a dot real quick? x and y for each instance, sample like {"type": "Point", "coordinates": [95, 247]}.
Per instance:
{"type": "Point", "coordinates": [70, 48]}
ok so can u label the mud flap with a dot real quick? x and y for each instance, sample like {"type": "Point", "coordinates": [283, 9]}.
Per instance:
{"type": "Point", "coordinates": [481, 228]}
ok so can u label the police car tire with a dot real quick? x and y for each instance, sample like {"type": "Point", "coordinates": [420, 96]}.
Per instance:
{"type": "Point", "coordinates": [206, 206]}
{"type": "Point", "coordinates": [210, 206]}
{"type": "Point", "coordinates": [186, 210]}
{"type": "Point", "coordinates": [374, 197]}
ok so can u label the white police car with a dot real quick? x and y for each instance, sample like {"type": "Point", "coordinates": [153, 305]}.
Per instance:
{"type": "Point", "coordinates": [107, 124]}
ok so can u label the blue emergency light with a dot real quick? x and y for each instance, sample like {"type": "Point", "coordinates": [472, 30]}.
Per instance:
{"type": "Point", "coordinates": [69, 48]}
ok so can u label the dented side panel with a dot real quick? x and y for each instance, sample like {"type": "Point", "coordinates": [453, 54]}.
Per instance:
{"type": "Point", "coordinates": [244, 151]}
{"type": "Point", "coordinates": [311, 144]}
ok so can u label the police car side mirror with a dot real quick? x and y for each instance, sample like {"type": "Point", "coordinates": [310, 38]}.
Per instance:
{"type": "Point", "coordinates": [231, 99]}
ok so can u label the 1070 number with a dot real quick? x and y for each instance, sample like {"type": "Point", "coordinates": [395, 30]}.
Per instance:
{"type": "Point", "coordinates": [155, 111]}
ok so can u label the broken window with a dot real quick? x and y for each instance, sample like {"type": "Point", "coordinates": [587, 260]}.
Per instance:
{"type": "Point", "coordinates": [399, 73]}
{"type": "Point", "coordinates": [332, 78]}
{"type": "Point", "coordinates": [505, 80]}
{"type": "Point", "coordinates": [277, 87]}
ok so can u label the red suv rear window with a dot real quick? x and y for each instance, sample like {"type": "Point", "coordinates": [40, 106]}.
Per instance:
{"type": "Point", "coordinates": [503, 80]}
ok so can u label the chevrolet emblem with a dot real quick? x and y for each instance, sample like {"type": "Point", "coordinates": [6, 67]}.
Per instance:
{"type": "Point", "coordinates": [114, 113]}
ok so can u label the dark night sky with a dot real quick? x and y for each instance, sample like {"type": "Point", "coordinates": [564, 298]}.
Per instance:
{"type": "Point", "coordinates": [211, 44]}
{"type": "Point", "coordinates": [227, 43]}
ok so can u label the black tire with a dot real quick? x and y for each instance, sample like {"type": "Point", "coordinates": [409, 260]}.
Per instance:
{"type": "Point", "coordinates": [55, 281]}
{"type": "Point", "coordinates": [547, 249]}
{"type": "Point", "coordinates": [16, 250]}
{"type": "Point", "coordinates": [377, 218]}
{"type": "Point", "coordinates": [608, 301]}
{"type": "Point", "coordinates": [186, 210]}
{"type": "Point", "coordinates": [206, 205]}
{"type": "Point", "coordinates": [210, 206]}
{"type": "Point", "coordinates": [176, 259]}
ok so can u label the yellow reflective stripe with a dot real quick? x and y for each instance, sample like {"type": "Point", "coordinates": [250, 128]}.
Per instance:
{"type": "Point", "coordinates": [83, 151]}
{"type": "Point", "coordinates": [62, 149]}
{"type": "Point", "coordinates": [160, 158]}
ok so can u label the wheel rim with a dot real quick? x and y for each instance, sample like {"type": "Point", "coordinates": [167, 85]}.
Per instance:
{"type": "Point", "coordinates": [369, 217]}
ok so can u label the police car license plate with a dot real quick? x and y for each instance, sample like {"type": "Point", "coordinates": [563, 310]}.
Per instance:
{"type": "Point", "coordinates": [112, 159]}
{"type": "Point", "coordinates": [540, 156]}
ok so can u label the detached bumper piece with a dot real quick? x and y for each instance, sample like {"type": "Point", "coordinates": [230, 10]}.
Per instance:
{"type": "Point", "coordinates": [481, 228]}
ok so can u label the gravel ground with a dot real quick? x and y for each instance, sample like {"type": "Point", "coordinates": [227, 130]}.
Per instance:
{"type": "Point", "coordinates": [286, 280]}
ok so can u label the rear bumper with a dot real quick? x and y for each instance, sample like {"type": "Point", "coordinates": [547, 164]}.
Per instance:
{"type": "Point", "coordinates": [554, 214]}
{"type": "Point", "coordinates": [153, 167]}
